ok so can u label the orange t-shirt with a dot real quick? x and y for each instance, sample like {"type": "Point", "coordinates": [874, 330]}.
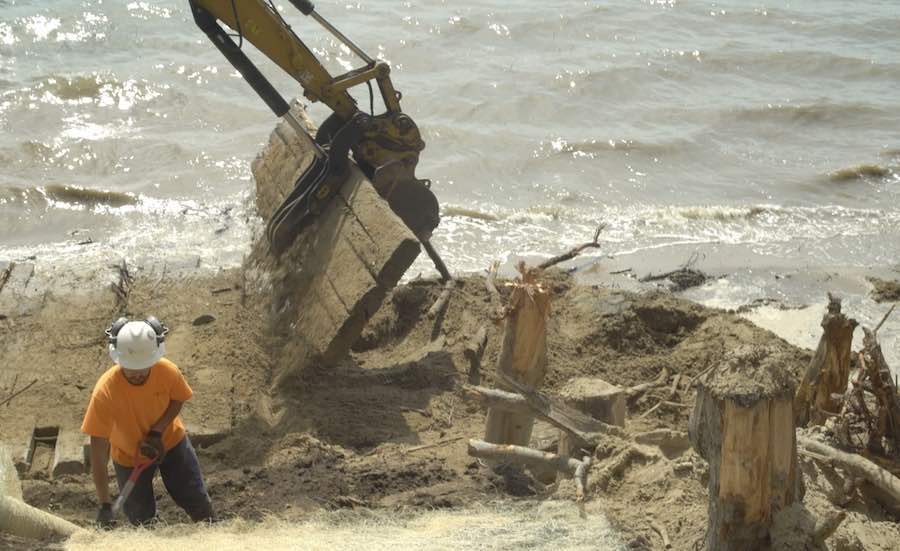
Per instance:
{"type": "Point", "coordinates": [123, 413]}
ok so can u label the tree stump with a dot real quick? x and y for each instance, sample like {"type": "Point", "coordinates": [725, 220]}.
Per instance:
{"type": "Point", "coordinates": [829, 369]}
{"type": "Point", "coordinates": [594, 396]}
{"type": "Point", "coordinates": [743, 425]}
{"type": "Point", "coordinates": [887, 422]}
{"type": "Point", "coordinates": [523, 357]}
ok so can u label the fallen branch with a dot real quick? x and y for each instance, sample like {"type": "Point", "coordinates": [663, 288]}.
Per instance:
{"type": "Point", "coordinates": [856, 465]}
{"type": "Point", "coordinates": [20, 391]}
{"type": "Point", "coordinates": [474, 351]}
{"type": "Point", "coordinates": [433, 444]}
{"type": "Point", "coordinates": [637, 390]}
{"type": "Point", "coordinates": [422, 412]}
{"type": "Point", "coordinates": [884, 319]}
{"type": "Point", "coordinates": [497, 312]}
{"type": "Point", "coordinates": [4, 275]}
{"type": "Point", "coordinates": [573, 252]}
{"type": "Point", "coordinates": [442, 299]}
{"type": "Point", "coordinates": [528, 456]}
{"type": "Point", "coordinates": [620, 462]}
{"type": "Point", "coordinates": [122, 288]}
{"type": "Point", "coordinates": [585, 429]}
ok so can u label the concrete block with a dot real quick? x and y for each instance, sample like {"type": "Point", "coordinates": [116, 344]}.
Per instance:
{"type": "Point", "coordinates": [68, 455]}
{"type": "Point", "coordinates": [596, 397]}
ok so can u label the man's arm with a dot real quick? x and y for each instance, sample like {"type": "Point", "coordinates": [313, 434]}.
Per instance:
{"type": "Point", "coordinates": [167, 417]}
{"type": "Point", "coordinates": [99, 462]}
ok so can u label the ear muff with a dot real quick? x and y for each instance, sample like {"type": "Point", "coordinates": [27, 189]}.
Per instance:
{"type": "Point", "coordinates": [158, 328]}
{"type": "Point", "coordinates": [112, 332]}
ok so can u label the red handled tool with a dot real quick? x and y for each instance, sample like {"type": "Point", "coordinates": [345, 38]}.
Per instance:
{"type": "Point", "coordinates": [132, 480]}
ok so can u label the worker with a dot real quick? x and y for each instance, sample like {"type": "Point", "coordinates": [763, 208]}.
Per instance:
{"type": "Point", "coordinates": [133, 415]}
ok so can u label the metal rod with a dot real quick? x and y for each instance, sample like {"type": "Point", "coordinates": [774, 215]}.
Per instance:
{"type": "Point", "coordinates": [436, 258]}
{"type": "Point", "coordinates": [356, 49]}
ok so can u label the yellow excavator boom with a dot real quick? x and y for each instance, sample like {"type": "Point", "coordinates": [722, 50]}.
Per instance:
{"type": "Point", "coordinates": [385, 146]}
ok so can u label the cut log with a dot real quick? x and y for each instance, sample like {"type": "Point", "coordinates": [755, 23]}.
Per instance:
{"type": "Point", "coordinates": [523, 357]}
{"type": "Point", "coordinates": [528, 456]}
{"type": "Point", "coordinates": [828, 371]}
{"type": "Point", "coordinates": [743, 425]}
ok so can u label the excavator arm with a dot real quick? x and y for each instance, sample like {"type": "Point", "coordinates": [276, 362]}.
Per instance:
{"type": "Point", "coordinates": [385, 146]}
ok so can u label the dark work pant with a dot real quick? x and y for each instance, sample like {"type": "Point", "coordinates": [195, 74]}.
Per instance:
{"type": "Point", "coordinates": [181, 475]}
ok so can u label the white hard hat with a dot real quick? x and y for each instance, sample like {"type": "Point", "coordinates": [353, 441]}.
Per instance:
{"type": "Point", "coordinates": [137, 346]}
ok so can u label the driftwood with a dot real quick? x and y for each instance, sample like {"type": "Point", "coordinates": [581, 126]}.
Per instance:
{"type": "Point", "coordinates": [884, 388]}
{"type": "Point", "coordinates": [683, 278]}
{"type": "Point", "coordinates": [573, 252]}
{"type": "Point", "coordinates": [828, 371]}
{"type": "Point", "coordinates": [442, 299]}
{"type": "Point", "coordinates": [856, 465]}
{"type": "Point", "coordinates": [474, 351]}
{"type": "Point", "coordinates": [637, 390]}
{"type": "Point", "coordinates": [527, 456]}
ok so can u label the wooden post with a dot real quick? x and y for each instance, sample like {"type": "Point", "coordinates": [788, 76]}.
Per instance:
{"type": "Point", "coordinates": [743, 425]}
{"type": "Point", "coordinates": [523, 357]}
{"type": "Point", "coordinates": [829, 369]}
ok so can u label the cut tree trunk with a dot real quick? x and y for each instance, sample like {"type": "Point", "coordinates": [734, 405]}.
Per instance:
{"type": "Point", "coordinates": [743, 425]}
{"type": "Point", "coordinates": [828, 371]}
{"type": "Point", "coordinates": [523, 357]}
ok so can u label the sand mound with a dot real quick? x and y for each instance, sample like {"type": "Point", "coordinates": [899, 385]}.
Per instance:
{"type": "Point", "coordinates": [350, 437]}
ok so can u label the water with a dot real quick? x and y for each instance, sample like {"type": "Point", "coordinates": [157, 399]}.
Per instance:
{"type": "Point", "coordinates": [764, 136]}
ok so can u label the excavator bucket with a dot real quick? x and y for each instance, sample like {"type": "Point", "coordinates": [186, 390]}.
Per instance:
{"type": "Point", "coordinates": [355, 256]}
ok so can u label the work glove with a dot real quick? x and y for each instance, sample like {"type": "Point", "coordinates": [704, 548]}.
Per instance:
{"type": "Point", "coordinates": [152, 446]}
{"type": "Point", "coordinates": [105, 518]}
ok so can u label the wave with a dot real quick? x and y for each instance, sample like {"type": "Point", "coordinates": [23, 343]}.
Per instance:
{"type": "Point", "coordinates": [861, 172]}
{"type": "Point", "coordinates": [591, 148]}
{"type": "Point", "coordinates": [468, 212]}
{"type": "Point", "coordinates": [810, 113]}
{"type": "Point", "coordinates": [101, 88]}
{"type": "Point", "coordinates": [718, 213]}
{"type": "Point", "coordinates": [63, 197]}
{"type": "Point", "coordinates": [797, 63]}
